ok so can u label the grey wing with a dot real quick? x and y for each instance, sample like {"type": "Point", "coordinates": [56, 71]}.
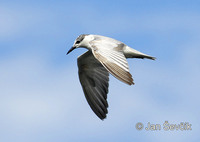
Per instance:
{"type": "Point", "coordinates": [110, 53]}
{"type": "Point", "coordinates": [94, 79]}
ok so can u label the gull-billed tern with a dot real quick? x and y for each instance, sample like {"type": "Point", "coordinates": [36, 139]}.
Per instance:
{"type": "Point", "coordinates": [105, 55]}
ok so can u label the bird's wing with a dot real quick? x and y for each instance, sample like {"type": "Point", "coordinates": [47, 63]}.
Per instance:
{"type": "Point", "coordinates": [110, 53]}
{"type": "Point", "coordinates": [94, 80]}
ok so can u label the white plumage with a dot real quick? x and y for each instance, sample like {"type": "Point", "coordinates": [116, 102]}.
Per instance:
{"type": "Point", "coordinates": [105, 55]}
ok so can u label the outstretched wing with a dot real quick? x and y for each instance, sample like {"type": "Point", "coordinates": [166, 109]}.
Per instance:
{"type": "Point", "coordinates": [94, 80]}
{"type": "Point", "coordinates": [110, 53]}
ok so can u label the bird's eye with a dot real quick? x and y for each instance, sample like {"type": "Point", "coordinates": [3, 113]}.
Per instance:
{"type": "Point", "coordinates": [77, 42]}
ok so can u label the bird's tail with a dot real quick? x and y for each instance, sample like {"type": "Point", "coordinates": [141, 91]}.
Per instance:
{"type": "Point", "coordinates": [132, 53]}
{"type": "Point", "coordinates": [145, 56]}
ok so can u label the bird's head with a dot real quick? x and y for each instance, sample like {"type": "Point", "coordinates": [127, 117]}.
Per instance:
{"type": "Point", "coordinates": [79, 42]}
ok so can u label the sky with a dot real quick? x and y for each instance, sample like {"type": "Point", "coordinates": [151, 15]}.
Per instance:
{"type": "Point", "coordinates": [41, 99]}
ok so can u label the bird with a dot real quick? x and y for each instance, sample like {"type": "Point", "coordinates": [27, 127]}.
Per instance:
{"type": "Point", "coordinates": [105, 56]}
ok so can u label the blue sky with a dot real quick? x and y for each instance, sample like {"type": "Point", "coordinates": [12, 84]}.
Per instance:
{"type": "Point", "coordinates": [41, 99]}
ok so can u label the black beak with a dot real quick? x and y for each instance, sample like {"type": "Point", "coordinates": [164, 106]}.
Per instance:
{"type": "Point", "coordinates": [71, 49]}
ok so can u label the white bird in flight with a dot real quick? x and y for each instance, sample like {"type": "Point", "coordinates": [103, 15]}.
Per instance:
{"type": "Point", "coordinates": [105, 55]}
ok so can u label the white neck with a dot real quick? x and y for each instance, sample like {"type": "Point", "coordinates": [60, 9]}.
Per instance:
{"type": "Point", "coordinates": [86, 41]}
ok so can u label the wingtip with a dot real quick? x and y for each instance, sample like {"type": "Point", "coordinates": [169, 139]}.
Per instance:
{"type": "Point", "coordinates": [102, 119]}
{"type": "Point", "coordinates": [130, 83]}
{"type": "Point", "coordinates": [153, 58]}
